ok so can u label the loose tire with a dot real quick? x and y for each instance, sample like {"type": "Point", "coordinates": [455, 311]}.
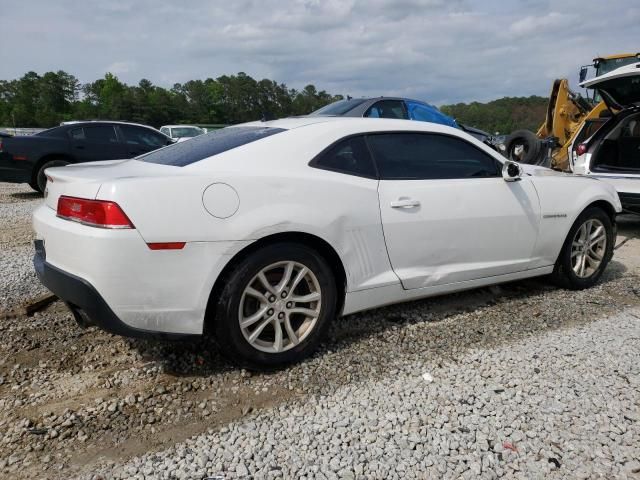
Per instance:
{"type": "Point", "coordinates": [40, 181]}
{"type": "Point", "coordinates": [275, 307]}
{"type": "Point", "coordinates": [523, 146]}
{"type": "Point", "coordinates": [587, 250]}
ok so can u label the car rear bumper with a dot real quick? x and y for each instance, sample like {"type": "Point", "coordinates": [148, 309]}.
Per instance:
{"type": "Point", "coordinates": [85, 301]}
{"type": "Point", "coordinates": [122, 285]}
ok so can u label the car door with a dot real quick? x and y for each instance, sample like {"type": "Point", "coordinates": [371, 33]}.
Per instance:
{"type": "Point", "coordinates": [141, 140]}
{"type": "Point", "coordinates": [90, 143]}
{"type": "Point", "coordinates": [448, 215]}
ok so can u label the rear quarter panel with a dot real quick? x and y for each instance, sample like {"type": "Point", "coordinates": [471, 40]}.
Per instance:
{"type": "Point", "coordinates": [340, 209]}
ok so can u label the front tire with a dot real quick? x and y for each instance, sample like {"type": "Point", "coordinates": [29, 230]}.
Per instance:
{"type": "Point", "coordinates": [275, 307]}
{"type": "Point", "coordinates": [587, 250]}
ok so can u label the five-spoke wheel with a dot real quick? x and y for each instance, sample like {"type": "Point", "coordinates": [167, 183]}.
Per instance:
{"type": "Point", "coordinates": [588, 248]}
{"type": "Point", "coordinates": [275, 306]}
{"type": "Point", "coordinates": [586, 251]}
{"type": "Point", "coordinates": [280, 306]}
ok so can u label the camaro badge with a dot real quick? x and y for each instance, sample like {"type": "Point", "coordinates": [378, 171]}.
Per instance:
{"type": "Point", "coordinates": [555, 215]}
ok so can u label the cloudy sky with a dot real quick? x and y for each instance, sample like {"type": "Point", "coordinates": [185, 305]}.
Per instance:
{"type": "Point", "coordinates": [442, 51]}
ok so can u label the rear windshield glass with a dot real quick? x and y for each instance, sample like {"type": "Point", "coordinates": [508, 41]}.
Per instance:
{"type": "Point", "coordinates": [205, 146]}
{"type": "Point", "coordinates": [339, 108]}
{"type": "Point", "coordinates": [50, 132]}
{"type": "Point", "coordinates": [625, 90]}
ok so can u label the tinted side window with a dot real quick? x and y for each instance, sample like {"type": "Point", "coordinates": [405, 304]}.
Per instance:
{"type": "Point", "coordinates": [413, 156]}
{"type": "Point", "coordinates": [142, 136]}
{"type": "Point", "coordinates": [77, 134]}
{"type": "Point", "coordinates": [350, 156]}
{"type": "Point", "coordinates": [100, 134]}
{"type": "Point", "coordinates": [387, 109]}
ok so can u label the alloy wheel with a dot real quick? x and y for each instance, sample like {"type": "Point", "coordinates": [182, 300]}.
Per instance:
{"type": "Point", "coordinates": [280, 307]}
{"type": "Point", "coordinates": [588, 248]}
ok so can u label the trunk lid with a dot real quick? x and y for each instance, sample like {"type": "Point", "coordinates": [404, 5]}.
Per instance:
{"type": "Point", "coordinates": [619, 88]}
{"type": "Point", "coordinates": [83, 180]}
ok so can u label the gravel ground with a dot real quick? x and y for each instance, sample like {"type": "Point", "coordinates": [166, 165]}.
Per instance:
{"type": "Point", "coordinates": [488, 413]}
{"type": "Point", "coordinates": [518, 381]}
{"type": "Point", "coordinates": [17, 278]}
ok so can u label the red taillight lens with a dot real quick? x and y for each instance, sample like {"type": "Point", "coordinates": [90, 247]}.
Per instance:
{"type": "Point", "coordinates": [582, 149]}
{"type": "Point", "coordinates": [96, 213]}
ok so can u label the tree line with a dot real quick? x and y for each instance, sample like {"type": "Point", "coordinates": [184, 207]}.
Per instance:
{"type": "Point", "coordinates": [46, 100]}
{"type": "Point", "coordinates": [503, 115]}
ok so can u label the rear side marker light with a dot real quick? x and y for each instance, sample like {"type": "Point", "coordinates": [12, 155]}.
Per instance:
{"type": "Point", "coordinates": [167, 245]}
{"type": "Point", "coordinates": [95, 213]}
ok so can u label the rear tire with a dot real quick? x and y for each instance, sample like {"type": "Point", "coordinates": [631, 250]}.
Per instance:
{"type": "Point", "coordinates": [523, 146]}
{"type": "Point", "coordinates": [587, 250]}
{"type": "Point", "coordinates": [40, 181]}
{"type": "Point", "coordinates": [289, 329]}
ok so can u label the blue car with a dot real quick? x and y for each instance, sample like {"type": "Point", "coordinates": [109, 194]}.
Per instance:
{"type": "Point", "coordinates": [401, 108]}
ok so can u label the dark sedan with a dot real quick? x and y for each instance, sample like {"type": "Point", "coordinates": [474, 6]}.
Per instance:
{"type": "Point", "coordinates": [23, 159]}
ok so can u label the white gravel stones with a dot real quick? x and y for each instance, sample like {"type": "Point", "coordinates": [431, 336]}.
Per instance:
{"type": "Point", "coordinates": [17, 279]}
{"type": "Point", "coordinates": [566, 410]}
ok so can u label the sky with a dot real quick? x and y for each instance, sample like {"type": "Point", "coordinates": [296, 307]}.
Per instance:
{"type": "Point", "coordinates": [440, 51]}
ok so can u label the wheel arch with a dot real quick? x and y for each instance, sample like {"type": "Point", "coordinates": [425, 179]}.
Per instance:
{"type": "Point", "coordinates": [45, 158]}
{"type": "Point", "coordinates": [320, 245]}
{"type": "Point", "coordinates": [604, 205]}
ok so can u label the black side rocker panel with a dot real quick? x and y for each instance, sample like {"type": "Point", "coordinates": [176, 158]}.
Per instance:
{"type": "Point", "coordinates": [79, 294]}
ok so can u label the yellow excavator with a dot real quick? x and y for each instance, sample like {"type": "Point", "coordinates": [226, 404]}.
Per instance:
{"type": "Point", "coordinates": [567, 112]}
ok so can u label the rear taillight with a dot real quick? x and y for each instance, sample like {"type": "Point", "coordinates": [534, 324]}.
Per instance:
{"type": "Point", "coordinates": [96, 213]}
{"type": "Point", "coordinates": [582, 149]}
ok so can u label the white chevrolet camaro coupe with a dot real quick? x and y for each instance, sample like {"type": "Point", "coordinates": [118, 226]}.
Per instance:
{"type": "Point", "coordinates": [262, 234]}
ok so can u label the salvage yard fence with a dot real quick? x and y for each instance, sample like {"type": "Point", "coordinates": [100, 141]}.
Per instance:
{"type": "Point", "coordinates": [21, 131]}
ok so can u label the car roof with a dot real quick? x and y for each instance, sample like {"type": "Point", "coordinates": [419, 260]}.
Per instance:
{"type": "Point", "coordinates": [304, 137]}
{"type": "Point", "coordinates": [289, 123]}
{"type": "Point", "coordinates": [79, 123]}
{"type": "Point", "coordinates": [179, 126]}
{"type": "Point", "coordinates": [351, 124]}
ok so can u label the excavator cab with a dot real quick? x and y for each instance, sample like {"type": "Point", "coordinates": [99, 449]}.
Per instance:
{"type": "Point", "coordinates": [567, 112]}
{"type": "Point", "coordinates": [604, 65]}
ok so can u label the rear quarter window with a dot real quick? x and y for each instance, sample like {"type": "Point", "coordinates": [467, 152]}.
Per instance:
{"type": "Point", "coordinates": [208, 145]}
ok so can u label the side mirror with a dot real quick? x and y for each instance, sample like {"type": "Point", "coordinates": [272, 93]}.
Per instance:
{"type": "Point", "coordinates": [511, 171]}
{"type": "Point", "coordinates": [583, 74]}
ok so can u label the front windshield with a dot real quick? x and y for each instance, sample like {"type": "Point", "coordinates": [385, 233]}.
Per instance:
{"type": "Point", "coordinates": [339, 108]}
{"type": "Point", "coordinates": [182, 132]}
{"type": "Point", "coordinates": [606, 66]}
